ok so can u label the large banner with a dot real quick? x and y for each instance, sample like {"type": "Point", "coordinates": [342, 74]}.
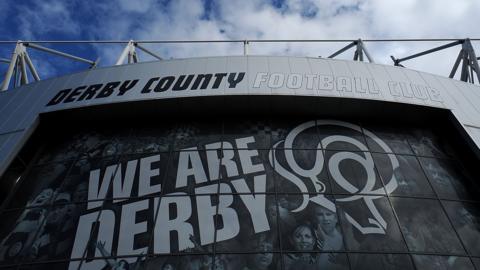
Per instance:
{"type": "Point", "coordinates": [242, 196]}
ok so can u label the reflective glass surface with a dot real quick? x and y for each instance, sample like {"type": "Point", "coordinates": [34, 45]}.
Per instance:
{"type": "Point", "coordinates": [244, 194]}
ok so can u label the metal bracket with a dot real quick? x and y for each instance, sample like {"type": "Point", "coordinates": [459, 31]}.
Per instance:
{"type": "Point", "coordinates": [147, 51]}
{"type": "Point", "coordinates": [245, 47]}
{"type": "Point", "coordinates": [18, 67]}
{"type": "Point", "coordinates": [21, 60]}
{"type": "Point", "coordinates": [130, 53]}
{"type": "Point", "coordinates": [466, 56]}
{"type": "Point", "coordinates": [360, 50]}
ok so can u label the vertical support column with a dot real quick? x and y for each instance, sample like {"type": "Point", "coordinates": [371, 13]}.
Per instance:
{"type": "Point", "coordinates": [24, 76]}
{"type": "Point", "coordinates": [11, 67]}
{"type": "Point", "coordinates": [465, 64]}
{"type": "Point", "coordinates": [31, 67]}
{"type": "Point", "coordinates": [245, 47]}
{"type": "Point", "coordinates": [359, 51]}
{"type": "Point", "coordinates": [128, 51]}
{"type": "Point", "coordinates": [473, 61]}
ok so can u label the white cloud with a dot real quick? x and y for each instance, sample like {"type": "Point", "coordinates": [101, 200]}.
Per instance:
{"type": "Point", "coordinates": [140, 6]}
{"type": "Point", "coordinates": [43, 17]}
{"type": "Point", "coordinates": [259, 19]}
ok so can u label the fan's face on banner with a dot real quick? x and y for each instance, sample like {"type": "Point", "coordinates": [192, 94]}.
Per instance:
{"type": "Point", "coordinates": [325, 218]}
{"type": "Point", "coordinates": [303, 239]}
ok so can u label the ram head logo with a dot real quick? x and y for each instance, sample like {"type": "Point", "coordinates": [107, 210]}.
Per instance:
{"type": "Point", "coordinates": [296, 174]}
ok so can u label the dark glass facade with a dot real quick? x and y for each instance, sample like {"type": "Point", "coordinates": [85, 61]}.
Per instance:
{"type": "Point", "coordinates": [243, 194]}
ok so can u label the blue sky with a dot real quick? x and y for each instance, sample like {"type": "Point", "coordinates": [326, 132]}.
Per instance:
{"type": "Point", "coordinates": [230, 19]}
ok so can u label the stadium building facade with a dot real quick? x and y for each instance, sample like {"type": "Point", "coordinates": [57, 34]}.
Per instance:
{"type": "Point", "coordinates": [241, 162]}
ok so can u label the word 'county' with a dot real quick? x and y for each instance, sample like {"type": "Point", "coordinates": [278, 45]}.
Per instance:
{"type": "Point", "coordinates": [155, 84]}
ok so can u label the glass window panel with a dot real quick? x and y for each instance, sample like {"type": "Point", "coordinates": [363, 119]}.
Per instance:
{"type": "Point", "coordinates": [189, 172]}
{"type": "Point", "coordinates": [246, 166]}
{"type": "Point", "coordinates": [328, 234]}
{"type": "Point", "coordinates": [76, 181]}
{"type": "Point", "coordinates": [45, 266]}
{"type": "Point", "coordinates": [368, 223]}
{"type": "Point", "coordinates": [306, 172]}
{"type": "Point", "coordinates": [308, 138]}
{"type": "Point", "coordinates": [8, 180]}
{"type": "Point", "coordinates": [134, 224]}
{"type": "Point", "coordinates": [476, 262]}
{"type": "Point", "coordinates": [17, 232]}
{"type": "Point", "coordinates": [197, 134]}
{"type": "Point", "coordinates": [239, 129]}
{"type": "Point", "coordinates": [353, 173]}
{"type": "Point", "coordinates": [251, 161]}
{"type": "Point", "coordinates": [380, 261]}
{"type": "Point", "coordinates": [411, 180]}
{"type": "Point", "coordinates": [394, 138]}
{"type": "Point", "coordinates": [65, 147]}
{"type": "Point", "coordinates": [425, 226]}
{"type": "Point", "coordinates": [263, 173]}
{"type": "Point", "coordinates": [447, 179]}
{"type": "Point", "coordinates": [38, 187]}
{"type": "Point", "coordinates": [442, 263]}
{"type": "Point", "coordinates": [261, 261]}
{"type": "Point", "coordinates": [190, 262]}
{"type": "Point", "coordinates": [466, 221]}
{"type": "Point", "coordinates": [340, 135]}
{"type": "Point", "coordinates": [315, 228]}
{"type": "Point", "coordinates": [153, 139]}
{"type": "Point", "coordinates": [106, 143]}
{"type": "Point", "coordinates": [78, 178]}
{"type": "Point", "coordinates": [297, 233]}
{"type": "Point", "coordinates": [110, 263]}
{"type": "Point", "coordinates": [55, 237]}
{"type": "Point", "coordinates": [183, 224]}
{"type": "Point", "coordinates": [425, 143]}
{"type": "Point", "coordinates": [247, 229]}
{"type": "Point", "coordinates": [100, 171]}
{"type": "Point", "coordinates": [312, 261]}
{"type": "Point", "coordinates": [142, 175]}
{"type": "Point", "coordinates": [188, 222]}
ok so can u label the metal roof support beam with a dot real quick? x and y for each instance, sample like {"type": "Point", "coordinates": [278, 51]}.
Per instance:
{"type": "Point", "coordinates": [66, 55]}
{"type": "Point", "coordinates": [31, 67]}
{"type": "Point", "coordinates": [23, 74]}
{"type": "Point", "coordinates": [18, 68]}
{"type": "Point", "coordinates": [147, 51]}
{"type": "Point", "coordinates": [130, 57]}
{"type": "Point", "coordinates": [457, 63]}
{"type": "Point", "coordinates": [359, 51]}
{"type": "Point", "coordinates": [455, 43]}
{"type": "Point", "coordinates": [342, 50]}
{"type": "Point", "coordinates": [135, 57]}
{"type": "Point", "coordinates": [466, 56]}
{"type": "Point", "coordinates": [127, 52]}
{"type": "Point", "coordinates": [130, 54]}
{"type": "Point", "coordinates": [464, 73]}
{"type": "Point", "coordinates": [472, 58]}
{"type": "Point", "coordinates": [364, 49]}
{"type": "Point", "coordinates": [358, 56]}
{"type": "Point", "coordinates": [12, 66]}
{"type": "Point", "coordinates": [245, 47]}
{"type": "Point", "coordinates": [15, 75]}
{"type": "Point", "coordinates": [21, 61]}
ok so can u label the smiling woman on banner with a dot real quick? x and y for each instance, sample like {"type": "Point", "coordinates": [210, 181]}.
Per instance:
{"type": "Point", "coordinates": [303, 242]}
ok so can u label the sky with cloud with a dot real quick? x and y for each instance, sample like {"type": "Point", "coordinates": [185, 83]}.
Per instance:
{"type": "Point", "coordinates": [235, 20]}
